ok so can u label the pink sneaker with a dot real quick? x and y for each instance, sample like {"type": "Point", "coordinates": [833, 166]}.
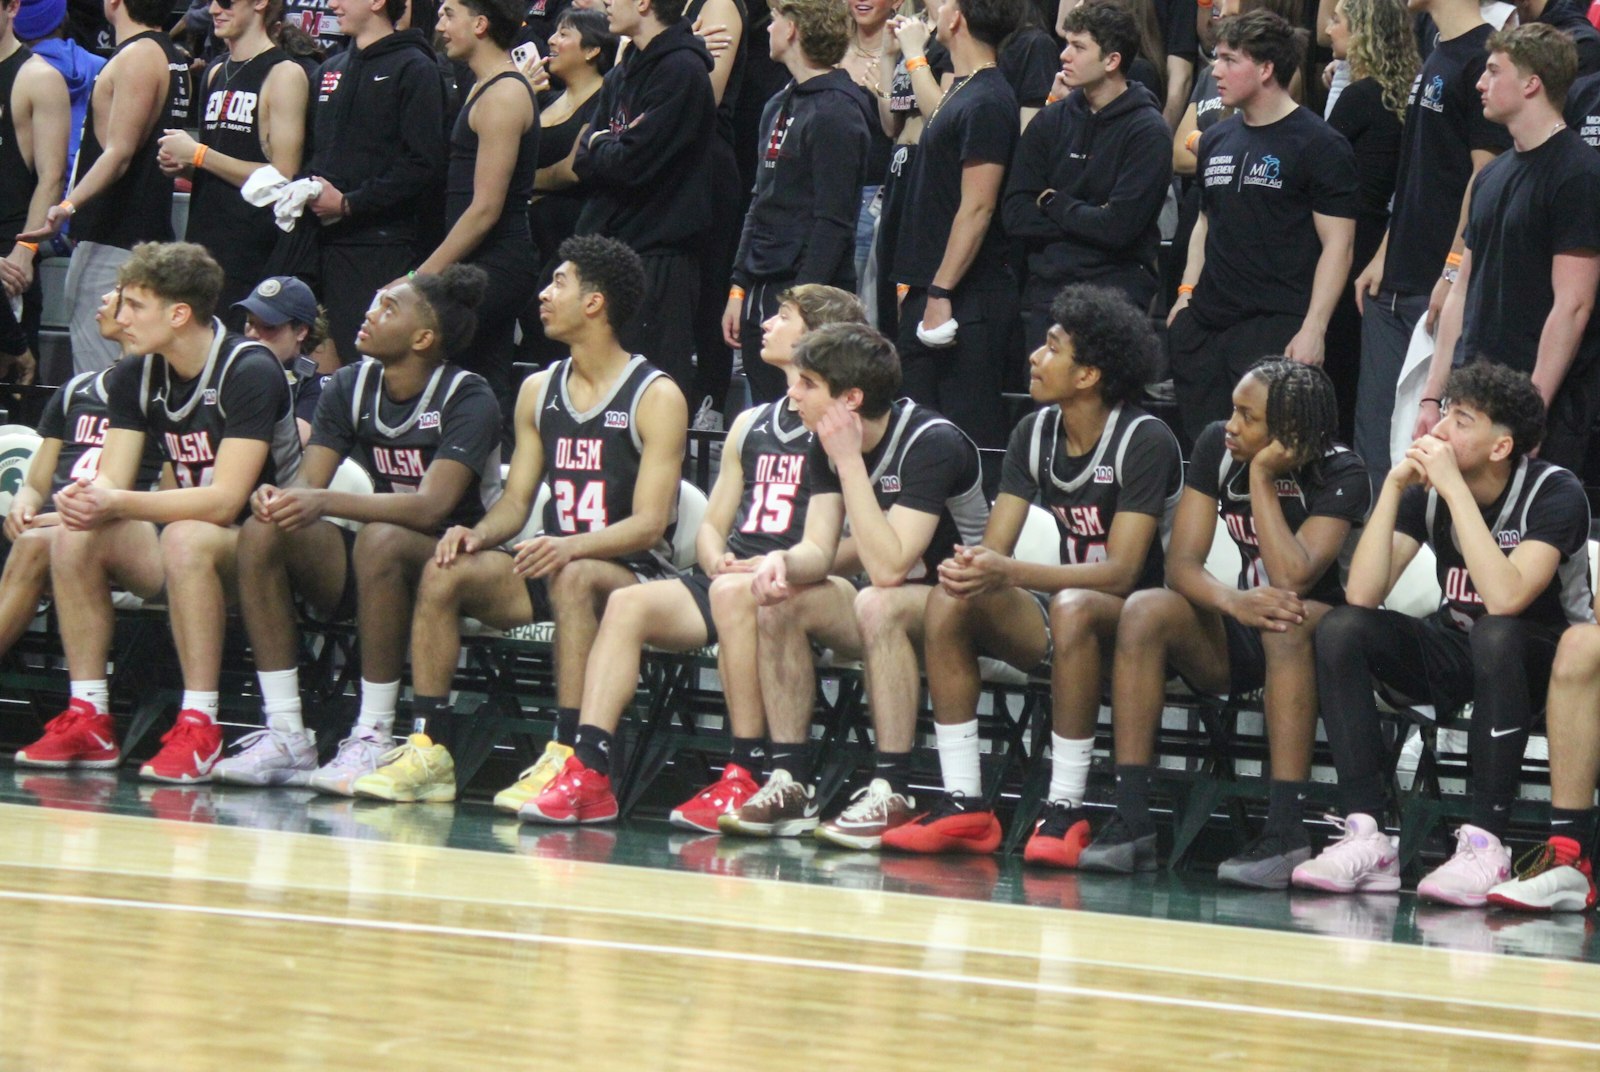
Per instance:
{"type": "Point", "coordinates": [1480, 864]}
{"type": "Point", "coordinates": [1364, 859]}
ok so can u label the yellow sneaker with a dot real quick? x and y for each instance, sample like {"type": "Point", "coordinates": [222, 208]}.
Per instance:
{"type": "Point", "coordinates": [419, 771]}
{"type": "Point", "coordinates": [531, 782]}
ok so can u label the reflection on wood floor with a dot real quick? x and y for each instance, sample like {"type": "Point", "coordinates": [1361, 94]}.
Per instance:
{"type": "Point", "coordinates": [133, 943]}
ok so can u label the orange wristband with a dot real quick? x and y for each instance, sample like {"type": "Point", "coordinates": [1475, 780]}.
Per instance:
{"type": "Point", "coordinates": [1192, 140]}
{"type": "Point", "coordinates": [916, 63]}
{"type": "Point", "coordinates": [1452, 260]}
{"type": "Point", "coordinates": [199, 156]}
{"type": "Point", "coordinates": [902, 289]}
{"type": "Point", "coordinates": [736, 294]}
{"type": "Point", "coordinates": [32, 247]}
{"type": "Point", "coordinates": [1185, 288]}
{"type": "Point", "coordinates": [69, 206]}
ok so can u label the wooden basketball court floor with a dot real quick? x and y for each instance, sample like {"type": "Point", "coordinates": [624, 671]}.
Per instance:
{"type": "Point", "coordinates": [155, 928]}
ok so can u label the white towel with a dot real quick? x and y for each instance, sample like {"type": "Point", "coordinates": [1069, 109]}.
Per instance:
{"type": "Point", "coordinates": [267, 186]}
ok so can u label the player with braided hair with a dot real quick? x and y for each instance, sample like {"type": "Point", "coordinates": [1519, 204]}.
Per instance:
{"type": "Point", "coordinates": [426, 431]}
{"type": "Point", "coordinates": [1288, 497]}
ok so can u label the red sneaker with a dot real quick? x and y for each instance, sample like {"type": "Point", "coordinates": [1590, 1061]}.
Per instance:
{"type": "Point", "coordinates": [188, 751]}
{"type": "Point", "coordinates": [722, 797]}
{"type": "Point", "coordinates": [952, 826]}
{"type": "Point", "coordinates": [1058, 837]}
{"type": "Point", "coordinates": [80, 736]}
{"type": "Point", "coordinates": [578, 795]}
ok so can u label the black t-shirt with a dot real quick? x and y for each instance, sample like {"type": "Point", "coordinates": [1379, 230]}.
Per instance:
{"type": "Point", "coordinates": [455, 418]}
{"type": "Point", "coordinates": [240, 393]}
{"type": "Point", "coordinates": [1336, 486]}
{"type": "Point", "coordinates": [1135, 467]}
{"type": "Point", "coordinates": [1526, 208]}
{"type": "Point", "coordinates": [1444, 124]}
{"type": "Point", "coordinates": [1583, 108]}
{"type": "Point", "coordinates": [924, 463]}
{"type": "Point", "coordinates": [1540, 502]}
{"type": "Point", "coordinates": [1374, 134]}
{"type": "Point", "coordinates": [1259, 187]}
{"type": "Point", "coordinates": [1030, 59]}
{"type": "Point", "coordinates": [1178, 32]}
{"type": "Point", "coordinates": [977, 122]}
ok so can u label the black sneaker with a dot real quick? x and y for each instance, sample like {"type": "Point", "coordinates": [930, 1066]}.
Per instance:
{"type": "Point", "coordinates": [1120, 849]}
{"type": "Point", "coordinates": [1268, 861]}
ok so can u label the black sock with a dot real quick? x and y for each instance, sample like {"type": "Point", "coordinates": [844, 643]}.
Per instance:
{"type": "Point", "coordinates": [1575, 823]}
{"type": "Point", "coordinates": [794, 758]}
{"type": "Point", "coordinates": [592, 746]}
{"type": "Point", "coordinates": [751, 754]}
{"type": "Point", "coordinates": [432, 715]}
{"type": "Point", "coordinates": [1490, 814]}
{"type": "Point", "coordinates": [1133, 796]}
{"type": "Point", "coordinates": [566, 725]}
{"type": "Point", "coordinates": [1284, 800]}
{"type": "Point", "coordinates": [894, 768]}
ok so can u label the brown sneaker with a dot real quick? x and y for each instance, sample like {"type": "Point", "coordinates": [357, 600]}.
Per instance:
{"type": "Point", "coordinates": [872, 811]}
{"type": "Point", "coordinates": [781, 808]}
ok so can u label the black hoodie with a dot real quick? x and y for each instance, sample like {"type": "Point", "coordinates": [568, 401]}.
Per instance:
{"type": "Point", "coordinates": [647, 172]}
{"type": "Point", "coordinates": [378, 134]}
{"type": "Point", "coordinates": [811, 164]}
{"type": "Point", "coordinates": [1110, 170]}
{"type": "Point", "coordinates": [1570, 20]}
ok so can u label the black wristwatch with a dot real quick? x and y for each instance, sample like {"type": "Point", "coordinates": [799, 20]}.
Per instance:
{"type": "Point", "coordinates": [938, 292]}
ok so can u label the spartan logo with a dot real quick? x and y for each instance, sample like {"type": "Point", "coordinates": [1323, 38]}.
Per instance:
{"type": "Point", "coordinates": [13, 471]}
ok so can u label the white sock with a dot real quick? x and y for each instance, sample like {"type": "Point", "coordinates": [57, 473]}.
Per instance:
{"type": "Point", "coordinates": [95, 692]}
{"type": "Point", "coordinates": [378, 703]}
{"type": "Point", "coordinates": [203, 702]}
{"type": "Point", "coordinates": [958, 758]}
{"type": "Point", "coordinates": [1069, 769]}
{"type": "Point", "coordinates": [280, 700]}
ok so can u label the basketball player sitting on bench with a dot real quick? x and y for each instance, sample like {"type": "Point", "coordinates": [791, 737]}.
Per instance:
{"type": "Point", "coordinates": [424, 430]}
{"type": "Point", "coordinates": [605, 430]}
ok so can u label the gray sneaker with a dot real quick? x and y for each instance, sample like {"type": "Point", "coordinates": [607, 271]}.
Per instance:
{"type": "Point", "coordinates": [1119, 850]}
{"type": "Point", "coordinates": [268, 757]}
{"type": "Point", "coordinates": [1267, 862]}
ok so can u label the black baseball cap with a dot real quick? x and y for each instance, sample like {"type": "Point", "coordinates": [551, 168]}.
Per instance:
{"type": "Point", "coordinates": [280, 299]}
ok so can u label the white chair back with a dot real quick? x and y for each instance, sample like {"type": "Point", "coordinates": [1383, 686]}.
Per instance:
{"type": "Point", "coordinates": [691, 511]}
{"type": "Point", "coordinates": [18, 444]}
{"type": "Point", "coordinates": [1039, 541]}
{"type": "Point", "coordinates": [351, 478]}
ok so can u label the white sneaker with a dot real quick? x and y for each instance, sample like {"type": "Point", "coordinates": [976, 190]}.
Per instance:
{"type": "Point", "coordinates": [1554, 877]}
{"type": "Point", "coordinates": [358, 754]}
{"type": "Point", "coordinates": [1479, 864]}
{"type": "Point", "coordinates": [1365, 858]}
{"type": "Point", "coordinates": [270, 757]}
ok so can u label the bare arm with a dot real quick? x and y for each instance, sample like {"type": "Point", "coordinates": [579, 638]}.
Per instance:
{"type": "Point", "coordinates": [723, 13]}
{"type": "Point", "coordinates": [43, 93]}
{"type": "Point", "coordinates": [1573, 276]}
{"type": "Point", "coordinates": [136, 99]}
{"type": "Point", "coordinates": [1180, 80]}
{"type": "Point", "coordinates": [722, 506]}
{"type": "Point", "coordinates": [1184, 162]}
{"type": "Point", "coordinates": [510, 512]}
{"type": "Point", "coordinates": [1294, 559]}
{"type": "Point", "coordinates": [1338, 236]}
{"type": "Point", "coordinates": [234, 476]}
{"type": "Point", "coordinates": [1382, 554]}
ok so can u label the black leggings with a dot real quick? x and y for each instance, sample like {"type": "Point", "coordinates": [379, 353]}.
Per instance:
{"type": "Point", "coordinates": [1430, 662]}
